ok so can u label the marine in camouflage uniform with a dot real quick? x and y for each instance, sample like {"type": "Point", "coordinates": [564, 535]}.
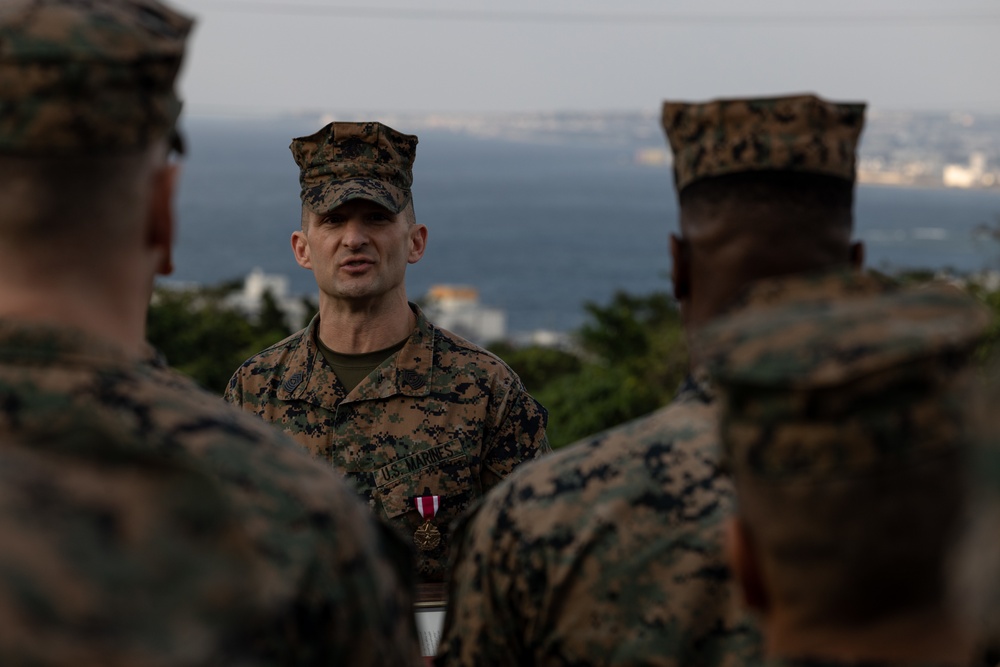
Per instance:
{"type": "Point", "coordinates": [609, 552]}
{"type": "Point", "coordinates": [843, 423]}
{"type": "Point", "coordinates": [436, 416]}
{"type": "Point", "coordinates": [145, 522]}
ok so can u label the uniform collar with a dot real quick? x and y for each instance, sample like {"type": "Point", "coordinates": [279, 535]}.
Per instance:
{"type": "Point", "coordinates": [409, 372]}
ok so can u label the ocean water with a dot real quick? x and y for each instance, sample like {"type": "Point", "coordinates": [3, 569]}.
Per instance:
{"type": "Point", "coordinates": [538, 227]}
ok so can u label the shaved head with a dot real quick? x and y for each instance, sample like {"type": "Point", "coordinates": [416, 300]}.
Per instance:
{"type": "Point", "coordinates": [743, 227]}
{"type": "Point", "coordinates": [79, 199]}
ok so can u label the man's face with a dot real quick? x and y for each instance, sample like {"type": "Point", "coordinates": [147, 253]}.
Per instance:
{"type": "Point", "coordinates": [359, 250]}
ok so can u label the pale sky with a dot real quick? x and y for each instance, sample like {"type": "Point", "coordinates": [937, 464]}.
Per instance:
{"type": "Point", "coordinates": [259, 57]}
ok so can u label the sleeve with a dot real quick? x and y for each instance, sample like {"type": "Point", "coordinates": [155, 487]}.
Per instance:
{"type": "Point", "coordinates": [234, 390]}
{"type": "Point", "coordinates": [481, 627]}
{"type": "Point", "coordinates": [519, 436]}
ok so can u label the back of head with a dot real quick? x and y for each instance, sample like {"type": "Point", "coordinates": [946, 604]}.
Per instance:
{"type": "Point", "coordinates": [87, 107]}
{"type": "Point", "coordinates": [765, 187]}
{"type": "Point", "coordinates": [842, 425]}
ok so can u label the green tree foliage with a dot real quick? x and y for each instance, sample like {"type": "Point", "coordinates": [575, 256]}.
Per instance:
{"type": "Point", "coordinates": [624, 330]}
{"type": "Point", "coordinates": [538, 366]}
{"type": "Point", "coordinates": [206, 339]}
{"type": "Point", "coordinates": [631, 358]}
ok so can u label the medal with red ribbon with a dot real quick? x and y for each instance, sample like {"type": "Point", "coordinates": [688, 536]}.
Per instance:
{"type": "Point", "coordinates": [427, 537]}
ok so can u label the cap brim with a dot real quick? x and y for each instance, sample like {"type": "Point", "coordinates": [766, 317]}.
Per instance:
{"type": "Point", "coordinates": [325, 197]}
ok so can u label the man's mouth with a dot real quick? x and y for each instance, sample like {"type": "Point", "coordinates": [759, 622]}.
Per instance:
{"type": "Point", "coordinates": [356, 263]}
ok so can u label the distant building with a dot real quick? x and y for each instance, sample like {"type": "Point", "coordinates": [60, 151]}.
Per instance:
{"type": "Point", "coordinates": [251, 298]}
{"type": "Point", "coordinates": [457, 308]}
{"type": "Point", "coordinates": [971, 176]}
{"type": "Point", "coordinates": [651, 157]}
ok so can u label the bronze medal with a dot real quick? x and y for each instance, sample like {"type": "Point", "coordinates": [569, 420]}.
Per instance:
{"type": "Point", "coordinates": [427, 537]}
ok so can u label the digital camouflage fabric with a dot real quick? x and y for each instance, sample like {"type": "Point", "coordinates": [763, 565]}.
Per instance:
{"type": "Point", "coordinates": [608, 552]}
{"type": "Point", "coordinates": [842, 422]}
{"type": "Point", "coordinates": [795, 133]}
{"type": "Point", "coordinates": [87, 76]}
{"type": "Point", "coordinates": [817, 662]}
{"type": "Point", "coordinates": [345, 161]}
{"type": "Point", "coordinates": [115, 555]}
{"type": "Point", "coordinates": [191, 533]}
{"type": "Point", "coordinates": [853, 380]}
{"type": "Point", "coordinates": [441, 417]}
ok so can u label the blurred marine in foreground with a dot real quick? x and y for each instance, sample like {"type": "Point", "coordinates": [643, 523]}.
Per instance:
{"type": "Point", "coordinates": [843, 410]}
{"type": "Point", "coordinates": [144, 521]}
{"type": "Point", "coordinates": [610, 551]}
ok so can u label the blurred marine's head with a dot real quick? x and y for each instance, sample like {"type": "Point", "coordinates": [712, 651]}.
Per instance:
{"type": "Point", "coordinates": [842, 424]}
{"type": "Point", "coordinates": [88, 112]}
{"type": "Point", "coordinates": [766, 188]}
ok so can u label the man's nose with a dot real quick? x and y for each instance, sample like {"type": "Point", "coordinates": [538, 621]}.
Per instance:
{"type": "Point", "coordinates": [355, 234]}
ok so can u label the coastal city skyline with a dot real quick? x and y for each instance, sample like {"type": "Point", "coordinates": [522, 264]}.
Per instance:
{"type": "Point", "coordinates": [260, 57]}
{"type": "Point", "coordinates": [953, 149]}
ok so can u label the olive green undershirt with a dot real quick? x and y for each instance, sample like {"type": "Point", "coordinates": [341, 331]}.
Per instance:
{"type": "Point", "coordinates": [351, 369]}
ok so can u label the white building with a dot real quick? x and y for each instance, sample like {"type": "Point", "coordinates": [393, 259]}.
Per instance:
{"type": "Point", "coordinates": [973, 175]}
{"type": "Point", "coordinates": [457, 308]}
{"type": "Point", "coordinates": [251, 298]}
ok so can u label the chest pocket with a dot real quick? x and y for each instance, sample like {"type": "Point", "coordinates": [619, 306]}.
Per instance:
{"type": "Point", "coordinates": [445, 471]}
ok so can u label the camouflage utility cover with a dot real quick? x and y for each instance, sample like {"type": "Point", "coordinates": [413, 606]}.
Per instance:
{"type": "Point", "coordinates": [320, 581]}
{"type": "Point", "coordinates": [440, 417]}
{"type": "Point", "coordinates": [609, 552]}
{"type": "Point", "coordinates": [844, 384]}
{"type": "Point", "coordinates": [345, 161]}
{"type": "Point", "coordinates": [798, 133]}
{"type": "Point", "coordinates": [87, 76]}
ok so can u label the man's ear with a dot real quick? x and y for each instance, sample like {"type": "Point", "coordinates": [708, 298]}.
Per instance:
{"type": "Point", "coordinates": [857, 254]}
{"type": "Point", "coordinates": [418, 243]}
{"type": "Point", "coordinates": [680, 274]}
{"type": "Point", "coordinates": [300, 248]}
{"type": "Point", "coordinates": [161, 217]}
{"type": "Point", "coordinates": [745, 565]}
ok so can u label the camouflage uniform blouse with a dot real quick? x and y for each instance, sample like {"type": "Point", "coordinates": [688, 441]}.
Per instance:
{"type": "Point", "coordinates": [164, 527]}
{"type": "Point", "coordinates": [608, 552]}
{"type": "Point", "coordinates": [441, 417]}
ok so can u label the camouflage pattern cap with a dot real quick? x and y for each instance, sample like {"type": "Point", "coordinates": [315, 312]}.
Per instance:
{"type": "Point", "coordinates": [345, 161]}
{"type": "Point", "coordinates": [824, 388]}
{"type": "Point", "coordinates": [796, 133]}
{"type": "Point", "coordinates": [88, 76]}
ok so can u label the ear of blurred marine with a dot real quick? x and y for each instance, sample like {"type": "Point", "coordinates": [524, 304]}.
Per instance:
{"type": "Point", "coordinates": [610, 551]}
{"type": "Point", "coordinates": [165, 527]}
